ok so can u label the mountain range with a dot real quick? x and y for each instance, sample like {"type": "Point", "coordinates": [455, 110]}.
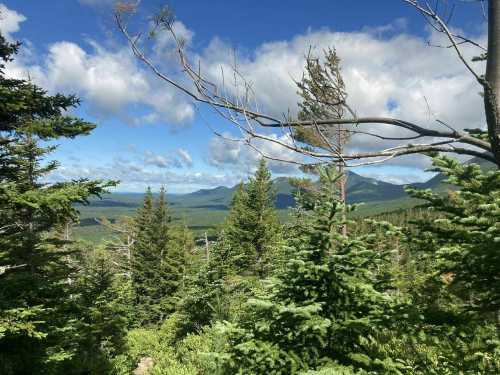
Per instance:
{"type": "Point", "coordinates": [204, 209]}
{"type": "Point", "coordinates": [359, 189]}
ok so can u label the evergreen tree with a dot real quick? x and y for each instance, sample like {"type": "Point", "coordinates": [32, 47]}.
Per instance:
{"type": "Point", "coordinates": [327, 306]}
{"type": "Point", "coordinates": [104, 311]}
{"type": "Point", "coordinates": [36, 304]}
{"type": "Point", "coordinates": [157, 262]}
{"type": "Point", "coordinates": [252, 227]}
{"type": "Point", "coordinates": [323, 93]}
{"type": "Point", "coordinates": [465, 238]}
{"type": "Point", "coordinates": [455, 295]}
{"type": "Point", "coordinates": [214, 291]}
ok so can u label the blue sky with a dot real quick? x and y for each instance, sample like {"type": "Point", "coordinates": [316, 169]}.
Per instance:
{"type": "Point", "coordinates": [149, 134]}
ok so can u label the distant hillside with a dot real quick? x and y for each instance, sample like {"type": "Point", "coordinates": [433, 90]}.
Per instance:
{"type": "Point", "coordinates": [437, 182]}
{"type": "Point", "coordinates": [204, 209]}
{"type": "Point", "coordinates": [359, 188]}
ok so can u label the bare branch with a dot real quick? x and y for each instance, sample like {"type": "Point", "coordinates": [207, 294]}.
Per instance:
{"type": "Point", "coordinates": [442, 26]}
{"type": "Point", "coordinates": [241, 108]}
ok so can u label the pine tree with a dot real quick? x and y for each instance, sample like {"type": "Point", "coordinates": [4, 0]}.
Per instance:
{"type": "Point", "coordinates": [157, 262]}
{"type": "Point", "coordinates": [327, 306]}
{"type": "Point", "coordinates": [36, 321]}
{"type": "Point", "coordinates": [252, 227]}
{"type": "Point", "coordinates": [104, 303]}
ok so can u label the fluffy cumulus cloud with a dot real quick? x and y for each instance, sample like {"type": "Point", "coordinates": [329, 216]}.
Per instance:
{"type": "Point", "coordinates": [10, 21]}
{"type": "Point", "coordinates": [225, 152]}
{"type": "Point", "coordinates": [109, 79]}
{"type": "Point", "coordinates": [180, 159]}
{"type": "Point", "coordinates": [387, 74]}
{"type": "Point", "coordinates": [135, 176]}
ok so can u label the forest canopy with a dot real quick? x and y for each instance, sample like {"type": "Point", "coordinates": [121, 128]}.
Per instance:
{"type": "Point", "coordinates": [326, 291]}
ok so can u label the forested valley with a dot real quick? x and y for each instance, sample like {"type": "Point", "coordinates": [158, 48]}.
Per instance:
{"type": "Point", "coordinates": [326, 292]}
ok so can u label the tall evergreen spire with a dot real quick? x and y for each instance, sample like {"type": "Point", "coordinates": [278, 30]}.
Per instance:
{"type": "Point", "coordinates": [35, 297]}
{"type": "Point", "coordinates": [252, 227]}
{"type": "Point", "coordinates": [158, 261]}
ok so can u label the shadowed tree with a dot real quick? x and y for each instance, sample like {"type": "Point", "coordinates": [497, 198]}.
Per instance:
{"type": "Point", "coordinates": [37, 308]}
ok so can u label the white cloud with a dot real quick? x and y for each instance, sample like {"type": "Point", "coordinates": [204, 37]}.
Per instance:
{"type": "Point", "coordinates": [164, 43]}
{"type": "Point", "coordinates": [179, 159]}
{"type": "Point", "coordinates": [225, 153]}
{"type": "Point", "coordinates": [109, 79]}
{"type": "Point", "coordinates": [185, 157]}
{"type": "Point", "coordinates": [400, 76]}
{"type": "Point", "coordinates": [9, 21]}
{"type": "Point", "coordinates": [135, 177]}
{"type": "Point", "coordinates": [159, 161]}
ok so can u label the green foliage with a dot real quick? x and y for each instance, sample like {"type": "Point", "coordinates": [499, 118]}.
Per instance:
{"type": "Point", "coordinates": [465, 241]}
{"type": "Point", "coordinates": [252, 228]}
{"type": "Point", "coordinates": [325, 306]}
{"type": "Point", "coordinates": [193, 355]}
{"type": "Point", "coordinates": [455, 295]}
{"type": "Point", "coordinates": [37, 308]}
{"type": "Point", "coordinates": [214, 291]}
{"type": "Point", "coordinates": [158, 261]}
{"type": "Point", "coordinates": [248, 247]}
{"type": "Point", "coordinates": [104, 302]}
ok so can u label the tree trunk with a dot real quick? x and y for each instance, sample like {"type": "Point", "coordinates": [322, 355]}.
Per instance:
{"type": "Point", "coordinates": [342, 185]}
{"type": "Point", "coordinates": [207, 248]}
{"type": "Point", "coordinates": [492, 84]}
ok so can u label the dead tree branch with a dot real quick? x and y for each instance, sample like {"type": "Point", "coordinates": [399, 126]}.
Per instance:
{"type": "Point", "coordinates": [238, 106]}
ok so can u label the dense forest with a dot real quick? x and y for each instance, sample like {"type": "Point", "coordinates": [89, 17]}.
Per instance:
{"type": "Point", "coordinates": [327, 292]}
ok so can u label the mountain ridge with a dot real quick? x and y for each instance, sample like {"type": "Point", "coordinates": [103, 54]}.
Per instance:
{"type": "Point", "coordinates": [359, 189]}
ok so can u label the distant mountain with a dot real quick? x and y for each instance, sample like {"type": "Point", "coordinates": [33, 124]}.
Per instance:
{"type": "Point", "coordinates": [217, 198]}
{"type": "Point", "coordinates": [437, 182]}
{"type": "Point", "coordinates": [367, 189]}
{"type": "Point", "coordinates": [359, 189]}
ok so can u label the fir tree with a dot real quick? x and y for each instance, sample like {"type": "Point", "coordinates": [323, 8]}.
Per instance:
{"type": "Point", "coordinates": [36, 307]}
{"type": "Point", "coordinates": [104, 310]}
{"type": "Point", "coordinates": [465, 238]}
{"type": "Point", "coordinates": [214, 291]}
{"type": "Point", "coordinates": [252, 228]}
{"type": "Point", "coordinates": [455, 293]}
{"type": "Point", "coordinates": [327, 305]}
{"type": "Point", "coordinates": [157, 262]}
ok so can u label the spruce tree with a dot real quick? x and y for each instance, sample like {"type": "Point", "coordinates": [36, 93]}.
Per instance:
{"type": "Point", "coordinates": [465, 238]}
{"type": "Point", "coordinates": [252, 227]}
{"type": "Point", "coordinates": [214, 291]}
{"type": "Point", "coordinates": [36, 304]}
{"type": "Point", "coordinates": [104, 303]}
{"type": "Point", "coordinates": [327, 306]}
{"type": "Point", "coordinates": [456, 301]}
{"type": "Point", "coordinates": [157, 262]}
